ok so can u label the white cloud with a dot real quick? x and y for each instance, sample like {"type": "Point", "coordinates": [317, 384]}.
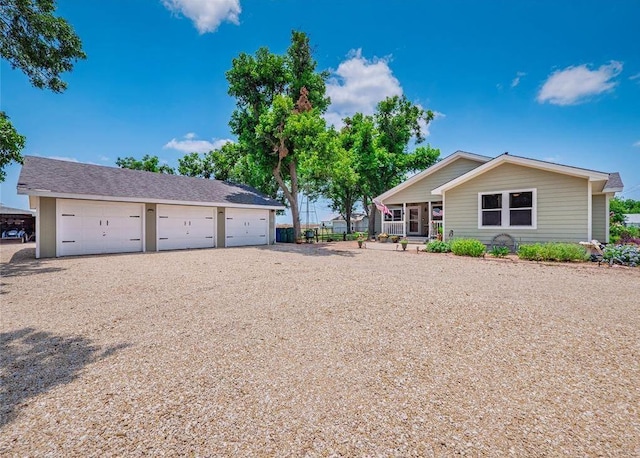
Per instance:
{"type": "Point", "coordinates": [637, 144]}
{"type": "Point", "coordinates": [576, 84]}
{"type": "Point", "coordinates": [516, 80]}
{"type": "Point", "coordinates": [104, 159]}
{"type": "Point", "coordinates": [358, 85]}
{"type": "Point", "coordinates": [190, 144]}
{"type": "Point", "coordinates": [206, 15]}
{"type": "Point", "coordinates": [63, 158]}
{"type": "Point", "coordinates": [554, 159]}
{"type": "Point", "coordinates": [635, 77]}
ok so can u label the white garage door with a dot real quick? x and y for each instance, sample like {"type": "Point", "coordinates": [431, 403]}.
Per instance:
{"type": "Point", "coordinates": [246, 227]}
{"type": "Point", "coordinates": [182, 226]}
{"type": "Point", "coordinates": [90, 227]}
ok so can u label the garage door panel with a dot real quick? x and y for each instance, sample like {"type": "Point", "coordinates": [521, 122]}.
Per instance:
{"type": "Point", "coordinates": [246, 227]}
{"type": "Point", "coordinates": [184, 227]}
{"type": "Point", "coordinates": [87, 227]}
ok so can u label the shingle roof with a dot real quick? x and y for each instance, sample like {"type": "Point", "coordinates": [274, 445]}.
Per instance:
{"type": "Point", "coordinates": [615, 181]}
{"type": "Point", "coordinates": [50, 176]}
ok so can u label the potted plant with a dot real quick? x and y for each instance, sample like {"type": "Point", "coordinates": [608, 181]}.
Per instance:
{"type": "Point", "coordinates": [404, 242]}
{"type": "Point", "coordinates": [440, 233]}
{"type": "Point", "coordinates": [383, 237]}
{"type": "Point", "coordinates": [360, 240]}
{"type": "Point", "coordinates": [395, 238]}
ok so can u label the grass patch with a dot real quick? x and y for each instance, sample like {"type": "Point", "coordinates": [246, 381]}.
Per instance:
{"type": "Point", "coordinates": [553, 251]}
{"type": "Point", "coordinates": [468, 247]}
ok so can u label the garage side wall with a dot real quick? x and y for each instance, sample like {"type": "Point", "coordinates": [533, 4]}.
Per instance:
{"type": "Point", "coordinates": [221, 220]}
{"type": "Point", "coordinates": [600, 216]}
{"type": "Point", "coordinates": [150, 235]}
{"type": "Point", "coordinates": [562, 205]}
{"type": "Point", "coordinates": [47, 236]}
{"type": "Point", "coordinates": [272, 227]}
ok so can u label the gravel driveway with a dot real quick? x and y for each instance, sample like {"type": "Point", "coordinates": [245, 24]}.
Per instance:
{"type": "Point", "coordinates": [318, 351]}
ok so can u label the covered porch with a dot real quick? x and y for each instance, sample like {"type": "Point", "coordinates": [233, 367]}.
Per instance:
{"type": "Point", "coordinates": [415, 219]}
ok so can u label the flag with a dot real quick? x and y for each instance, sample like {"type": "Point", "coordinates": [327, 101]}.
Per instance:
{"type": "Point", "coordinates": [437, 212]}
{"type": "Point", "coordinates": [382, 207]}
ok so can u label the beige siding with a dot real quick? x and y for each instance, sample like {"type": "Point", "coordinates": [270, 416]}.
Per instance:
{"type": "Point", "coordinates": [150, 216]}
{"type": "Point", "coordinates": [421, 190]}
{"type": "Point", "coordinates": [220, 233]}
{"type": "Point", "coordinates": [600, 216]}
{"type": "Point", "coordinates": [562, 205]}
{"type": "Point", "coordinates": [272, 227]}
{"type": "Point", "coordinates": [47, 236]}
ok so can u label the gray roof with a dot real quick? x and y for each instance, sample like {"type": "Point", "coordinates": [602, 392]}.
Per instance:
{"type": "Point", "coordinates": [615, 181]}
{"type": "Point", "coordinates": [43, 176]}
{"type": "Point", "coordinates": [15, 211]}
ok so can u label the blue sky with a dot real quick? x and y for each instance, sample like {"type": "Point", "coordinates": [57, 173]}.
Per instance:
{"type": "Point", "coordinates": [550, 80]}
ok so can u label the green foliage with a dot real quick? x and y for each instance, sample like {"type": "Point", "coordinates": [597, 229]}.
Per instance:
{"type": "Point", "coordinates": [499, 251]}
{"type": "Point", "coordinates": [620, 233]}
{"type": "Point", "coordinates": [553, 251]}
{"type": "Point", "coordinates": [147, 163]}
{"type": "Point", "coordinates": [42, 46]}
{"type": "Point", "coordinates": [438, 246]}
{"type": "Point", "coordinates": [468, 247]}
{"type": "Point", "coordinates": [626, 255]}
{"type": "Point", "coordinates": [618, 207]}
{"type": "Point", "coordinates": [11, 143]}
{"type": "Point", "coordinates": [37, 42]}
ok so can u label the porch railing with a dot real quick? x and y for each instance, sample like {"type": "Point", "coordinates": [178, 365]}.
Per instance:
{"type": "Point", "coordinates": [393, 227]}
{"type": "Point", "coordinates": [434, 228]}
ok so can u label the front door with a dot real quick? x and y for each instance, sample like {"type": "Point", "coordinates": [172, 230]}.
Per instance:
{"type": "Point", "coordinates": [414, 221]}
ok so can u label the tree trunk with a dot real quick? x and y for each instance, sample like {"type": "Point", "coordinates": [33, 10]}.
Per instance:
{"type": "Point", "coordinates": [372, 221]}
{"type": "Point", "coordinates": [347, 218]}
{"type": "Point", "coordinates": [290, 194]}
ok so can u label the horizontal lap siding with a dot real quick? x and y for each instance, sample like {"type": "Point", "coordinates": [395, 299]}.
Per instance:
{"type": "Point", "coordinates": [562, 205]}
{"type": "Point", "coordinates": [599, 225]}
{"type": "Point", "coordinates": [421, 190]}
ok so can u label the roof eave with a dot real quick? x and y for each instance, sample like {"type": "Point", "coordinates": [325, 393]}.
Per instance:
{"type": "Point", "coordinates": [60, 195]}
{"type": "Point", "coordinates": [525, 162]}
{"type": "Point", "coordinates": [428, 171]}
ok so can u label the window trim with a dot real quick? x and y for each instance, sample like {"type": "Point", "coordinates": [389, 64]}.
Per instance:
{"type": "Point", "coordinates": [506, 209]}
{"type": "Point", "coordinates": [392, 220]}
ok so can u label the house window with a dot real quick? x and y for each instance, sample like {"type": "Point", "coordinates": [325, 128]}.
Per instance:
{"type": "Point", "coordinates": [396, 215]}
{"type": "Point", "coordinates": [507, 209]}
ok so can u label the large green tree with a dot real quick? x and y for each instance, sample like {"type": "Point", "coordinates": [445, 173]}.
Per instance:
{"type": "Point", "coordinates": [148, 163]}
{"type": "Point", "coordinates": [42, 46]}
{"type": "Point", "coordinates": [376, 150]}
{"type": "Point", "coordinates": [278, 120]}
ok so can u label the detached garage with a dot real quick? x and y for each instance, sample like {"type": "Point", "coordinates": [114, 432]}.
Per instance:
{"type": "Point", "coordinates": [86, 209]}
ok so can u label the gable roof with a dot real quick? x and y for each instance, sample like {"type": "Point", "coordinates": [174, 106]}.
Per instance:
{"type": "Point", "coordinates": [591, 175]}
{"type": "Point", "coordinates": [54, 178]}
{"type": "Point", "coordinates": [434, 168]}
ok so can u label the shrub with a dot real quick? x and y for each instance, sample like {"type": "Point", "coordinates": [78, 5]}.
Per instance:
{"type": "Point", "coordinates": [468, 247]}
{"type": "Point", "coordinates": [438, 246]}
{"type": "Point", "coordinates": [499, 251]}
{"type": "Point", "coordinates": [622, 234]}
{"type": "Point", "coordinates": [552, 251]}
{"type": "Point", "coordinates": [626, 255]}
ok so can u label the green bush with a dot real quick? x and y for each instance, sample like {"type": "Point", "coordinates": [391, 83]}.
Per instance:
{"type": "Point", "coordinates": [468, 247]}
{"type": "Point", "coordinates": [437, 246]}
{"type": "Point", "coordinates": [553, 251]}
{"type": "Point", "coordinates": [499, 251]}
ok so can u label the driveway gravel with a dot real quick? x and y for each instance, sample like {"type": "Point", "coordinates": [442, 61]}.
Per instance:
{"type": "Point", "coordinates": [316, 350]}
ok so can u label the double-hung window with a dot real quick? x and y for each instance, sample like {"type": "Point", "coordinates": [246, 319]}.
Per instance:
{"type": "Point", "coordinates": [507, 209]}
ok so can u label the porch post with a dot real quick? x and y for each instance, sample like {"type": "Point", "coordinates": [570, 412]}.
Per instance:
{"type": "Point", "coordinates": [429, 218]}
{"type": "Point", "coordinates": [404, 218]}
